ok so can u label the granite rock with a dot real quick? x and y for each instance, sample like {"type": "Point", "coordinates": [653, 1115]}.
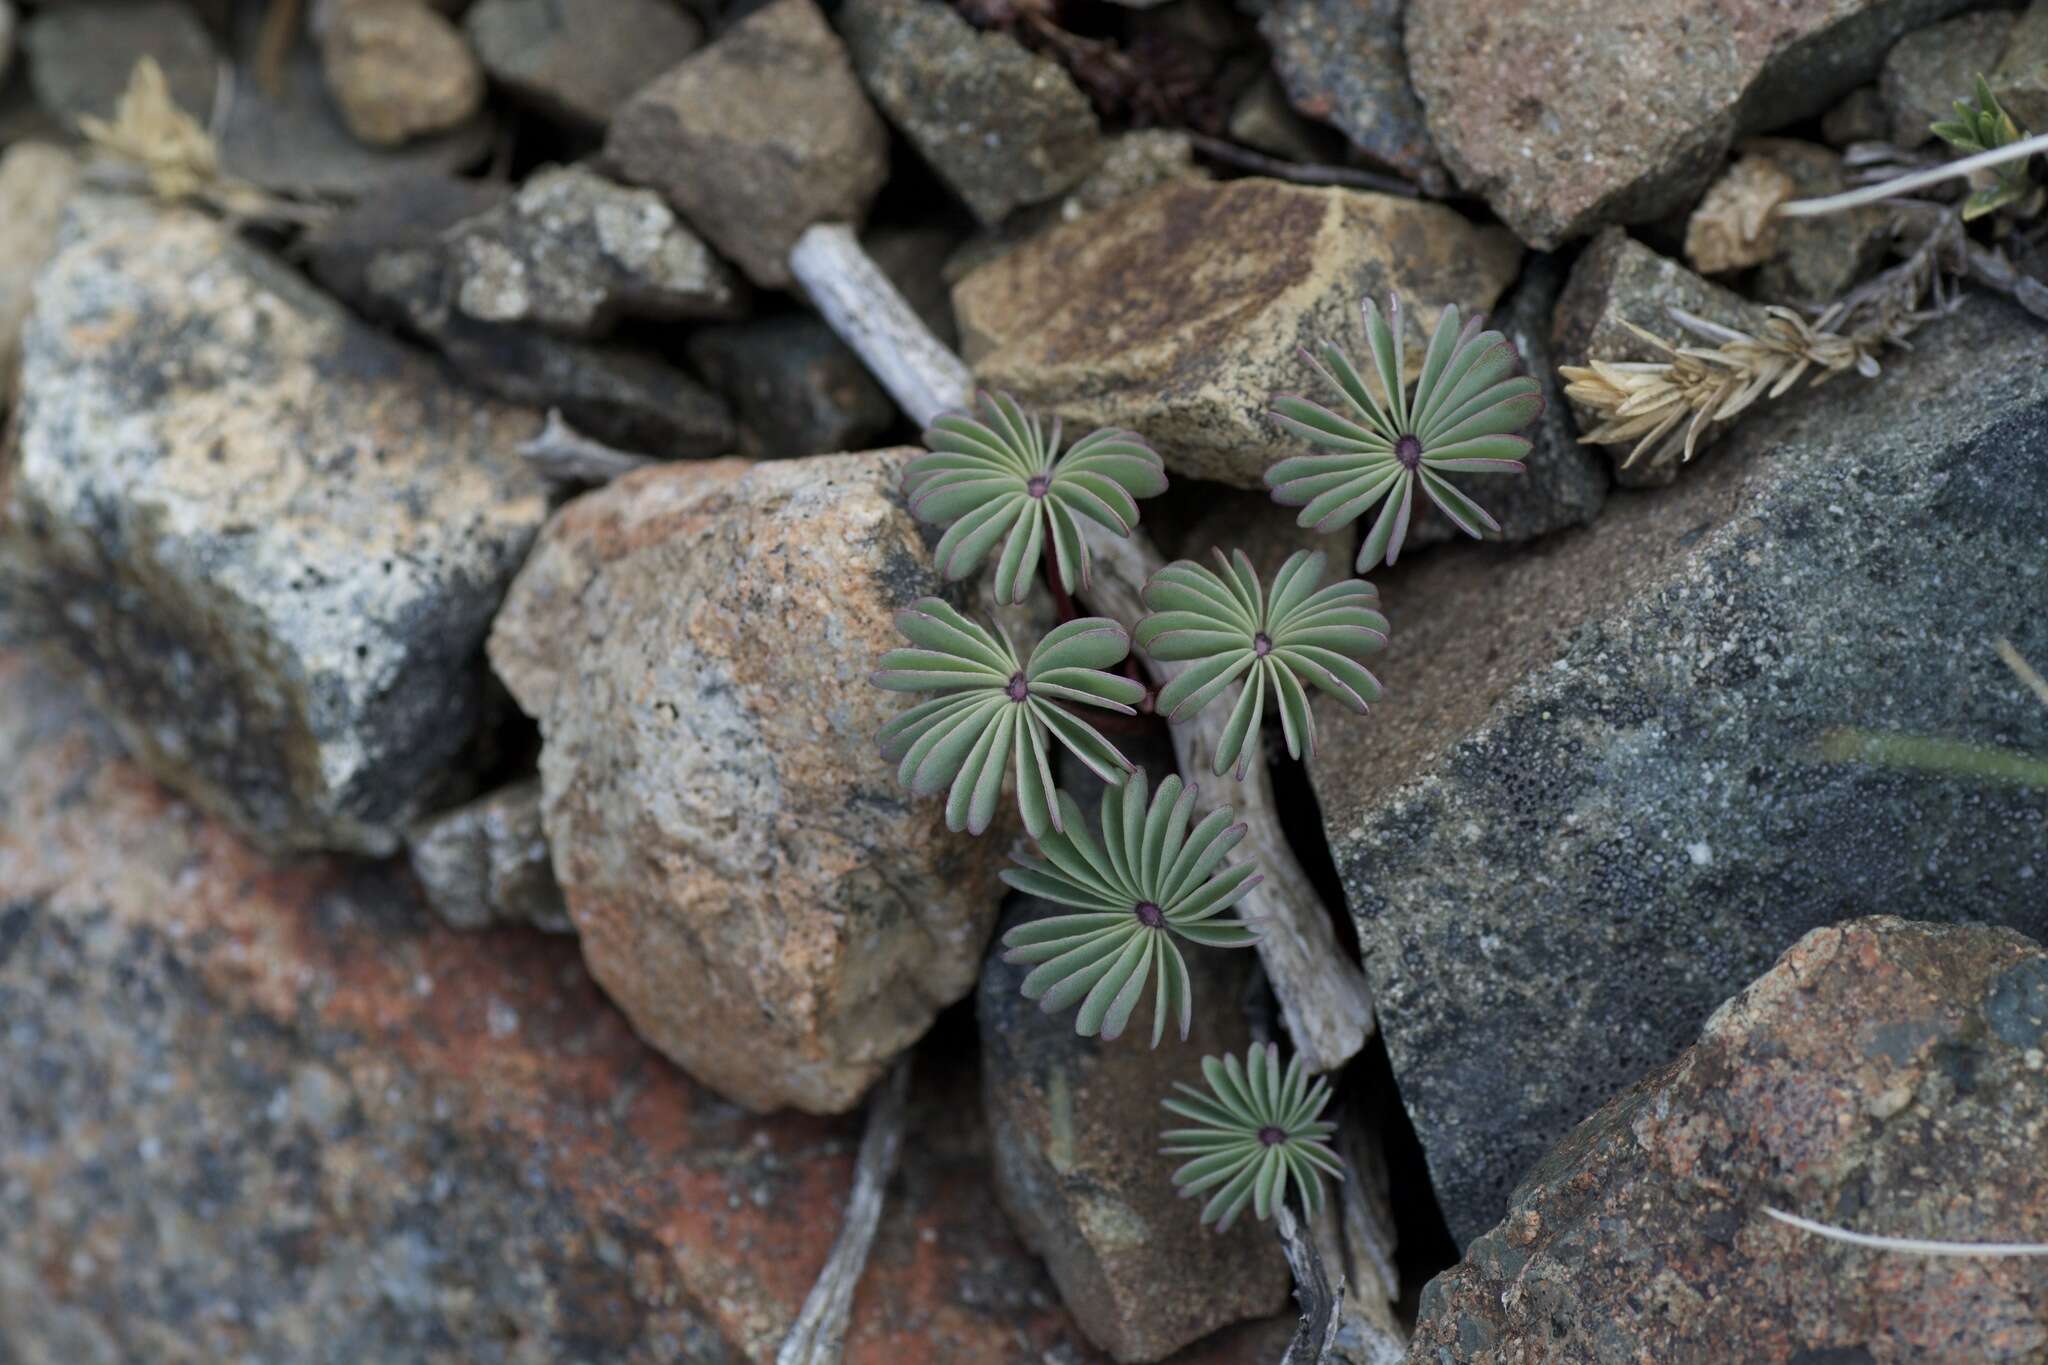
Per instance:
{"type": "Point", "coordinates": [1928, 70]}
{"type": "Point", "coordinates": [1075, 1124]}
{"type": "Point", "coordinates": [757, 137]}
{"type": "Point", "coordinates": [1885, 1076]}
{"type": "Point", "coordinates": [572, 252]}
{"type": "Point", "coordinates": [1002, 126]}
{"type": "Point", "coordinates": [275, 1112]}
{"type": "Point", "coordinates": [398, 70]}
{"type": "Point", "coordinates": [1565, 116]}
{"type": "Point", "coordinates": [579, 60]}
{"type": "Point", "coordinates": [2020, 81]}
{"type": "Point", "coordinates": [1593, 803]}
{"type": "Point", "coordinates": [1179, 314]}
{"type": "Point", "coordinates": [36, 181]}
{"type": "Point", "coordinates": [81, 53]}
{"type": "Point", "coordinates": [486, 863]}
{"type": "Point", "coordinates": [797, 388]}
{"type": "Point", "coordinates": [1342, 63]}
{"type": "Point", "coordinates": [271, 535]}
{"type": "Point", "coordinates": [749, 880]}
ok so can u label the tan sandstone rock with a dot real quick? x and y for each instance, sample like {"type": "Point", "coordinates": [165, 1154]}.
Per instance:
{"type": "Point", "coordinates": [1180, 314]}
{"type": "Point", "coordinates": [398, 70]}
{"type": "Point", "coordinates": [750, 882]}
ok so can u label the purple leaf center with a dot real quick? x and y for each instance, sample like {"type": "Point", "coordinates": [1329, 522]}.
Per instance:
{"type": "Point", "coordinates": [1149, 915]}
{"type": "Point", "coordinates": [1408, 450]}
{"type": "Point", "coordinates": [1269, 1136]}
{"type": "Point", "coordinates": [1262, 644]}
{"type": "Point", "coordinates": [1037, 485]}
{"type": "Point", "coordinates": [1016, 689]}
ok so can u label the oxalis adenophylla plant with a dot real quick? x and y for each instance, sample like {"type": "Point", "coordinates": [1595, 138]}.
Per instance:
{"type": "Point", "coordinates": [1158, 880]}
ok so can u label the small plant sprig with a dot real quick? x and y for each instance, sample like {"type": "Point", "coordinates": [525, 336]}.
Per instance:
{"type": "Point", "coordinates": [999, 476]}
{"type": "Point", "coordinates": [1256, 1129]}
{"type": "Point", "coordinates": [1230, 628]}
{"type": "Point", "coordinates": [995, 713]}
{"type": "Point", "coordinates": [1982, 125]}
{"type": "Point", "coordinates": [1151, 880]}
{"type": "Point", "coordinates": [1468, 405]}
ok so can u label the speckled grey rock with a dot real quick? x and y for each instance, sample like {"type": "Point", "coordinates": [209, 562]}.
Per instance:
{"type": "Point", "coordinates": [757, 137]}
{"type": "Point", "coordinates": [272, 536]}
{"type": "Point", "coordinates": [486, 863]}
{"type": "Point", "coordinates": [1928, 70]}
{"type": "Point", "coordinates": [1076, 1125]}
{"type": "Point", "coordinates": [572, 252]}
{"type": "Point", "coordinates": [796, 386]}
{"type": "Point", "coordinates": [1615, 281]}
{"type": "Point", "coordinates": [1003, 126]}
{"type": "Point", "coordinates": [2020, 81]}
{"type": "Point", "coordinates": [1884, 1076]}
{"type": "Point", "coordinates": [81, 53]}
{"type": "Point", "coordinates": [579, 59]}
{"type": "Point", "coordinates": [1342, 63]}
{"type": "Point", "coordinates": [36, 180]}
{"type": "Point", "coordinates": [1592, 804]}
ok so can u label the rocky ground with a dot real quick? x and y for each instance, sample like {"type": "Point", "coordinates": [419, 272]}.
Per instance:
{"type": "Point", "coordinates": [452, 502]}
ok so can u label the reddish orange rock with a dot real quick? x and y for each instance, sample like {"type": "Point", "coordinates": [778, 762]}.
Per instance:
{"type": "Point", "coordinates": [263, 1110]}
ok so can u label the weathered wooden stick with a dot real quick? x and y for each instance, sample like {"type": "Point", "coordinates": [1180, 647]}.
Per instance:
{"type": "Point", "coordinates": [819, 1335]}
{"type": "Point", "coordinates": [857, 301]}
{"type": "Point", "coordinates": [1323, 997]}
{"type": "Point", "coordinates": [1322, 1304]}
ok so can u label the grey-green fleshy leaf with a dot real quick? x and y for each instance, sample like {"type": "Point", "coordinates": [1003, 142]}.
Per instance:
{"type": "Point", "coordinates": [1257, 1129]}
{"type": "Point", "coordinates": [1463, 417]}
{"type": "Point", "coordinates": [995, 718]}
{"type": "Point", "coordinates": [1150, 881]}
{"type": "Point", "coordinates": [1226, 627]}
{"type": "Point", "coordinates": [996, 477]}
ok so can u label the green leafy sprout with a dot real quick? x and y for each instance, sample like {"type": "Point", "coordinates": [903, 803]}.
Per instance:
{"type": "Point", "coordinates": [1151, 880]}
{"type": "Point", "coordinates": [1982, 125]}
{"type": "Point", "coordinates": [995, 714]}
{"type": "Point", "coordinates": [1463, 417]}
{"type": "Point", "coordinates": [999, 476]}
{"type": "Point", "coordinates": [1256, 1129]}
{"type": "Point", "coordinates": [1230, 628]}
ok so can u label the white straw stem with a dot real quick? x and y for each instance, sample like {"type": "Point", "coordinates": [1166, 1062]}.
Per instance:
{"type": "Point", "coordinates": [1917, 1246]}
{"type": "Point", "coordinates": [1889, 189]}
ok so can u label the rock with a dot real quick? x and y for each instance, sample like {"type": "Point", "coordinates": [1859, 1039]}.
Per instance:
{"type": "Point", "coordinates": [1564, 120]}
{"type": "Point", "coordinates": [82, 52]}
{"type": "Point", "coordinates": [913, 257]}
{"type": "Point", "coordinates": [757, 137]}
{"type": "Point", "coordinates": [573, 252]}
{"type": "Point", "coordinates": [797, 387]}
{"type": "Point", "coordinates": [1001, 125]}
{"type": "Point", "coordinates": [1615, 281]}
{"type": "Point", "coordinates": [486, 863]}
{"type": "Point", "coordinates": [579, 59]}
{"type": "Point", "coordinates": [1263, 119]}
{"type": "Point", "coordinates": [391, 256]}
{"type": "Point", "coordinates": [263, 1112]}
{"type": "Point", "coordinates": [8, 23]}
{"type": "Point", "coordinates": [1179, 314]}
{"type": "Point", "coordinates": [1929, 70]}
{"type": "Point", "coordinates": [271, 536]}
{"type": "Point", "coordinates": [1734, 226]}
{"type": "Point", "coordinates": [1342, 63]}
{"type": "Point", "coordinates": [1859, 117]}
{"type": "Point", "coordinates": [751, 884]}
{"type": "Point", "coordinates": [1818, 260]}
{"type": "Point", "coordinates": [1076, 1123]}
{"type": "Point", "coordinates": [398, 70]}
{"type": "Point", "coordinates": [1884, 1076]}
{"type": "Point", "coordinates": [2020, 83]}
{"type": "Point", "coordinates": [36, 180]}
{"type": "Point", "coordinates": [1592, 805]}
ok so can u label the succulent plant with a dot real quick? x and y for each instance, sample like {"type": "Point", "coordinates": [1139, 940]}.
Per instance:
{"type": "Point", "coordinates": [1462, 419]}
{"type": "Point", "coordinates": [1256, 1129]}
{"type": "Point", "coordinates": [1982, 125]}
{"type": "Point", "coordinates": [1230, 628]}
{"type": "Point", "coordinates": [1151, 880]}
{"type": "Point", "coordinates": [1000, 477]}
{"type": "Point", "coordinates": [995, 713]}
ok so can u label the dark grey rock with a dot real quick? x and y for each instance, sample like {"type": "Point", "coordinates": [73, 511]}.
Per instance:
{"type": "Point", "coordinates": [81, 54]}
{"type": "Point", "coordinates": [1928, 70]}
{"type": "Point", "coordinates": [913, 257]}
{"type": "Point", "coordinates": [1884, 1076]}
{"type": "Point", "coordinates": [1263, 119]}
{"type": "Point", "coordinates": [9, 22]}
{"type": "Point", "coordinates": [1859, 117]}
{"type": "Point", "coordinates": [272, 537]}
{"type": "Point", "coordinates": [1003, 126]}
{"type": "Point", "coordinates": [2020, 82]}
{"type": "Point", "coordinates": [486, 863]}
{"type": "Point", "coordinates": [1342, 63]}
{"type": "Point", "coordinates": [572, 252]}
{"type": "Point", "coordinates": [579, 59]}
{"type": "Point", "coordinates": [797, 387]}
{"type": "Point", "coordinates": [1818, 260]}
{"type": "Point", "coordinates": [1593, 804]}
